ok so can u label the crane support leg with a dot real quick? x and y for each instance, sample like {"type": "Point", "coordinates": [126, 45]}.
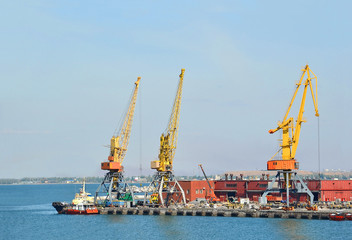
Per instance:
{"type": "Point", "coordinates": [303, 188]}
{"type": "Point", "coordinates": [294, 184]}
{"type": "Point", "coordinates": [269, 189]}
{"type": "Point", "coordinates": [114, 188]}
{"type": "Point", "coordinates": [168, 189]}
{"type": "Point", "coordinates": [287, 189]}
{"type": "Point", "coordinates": [160, 191]}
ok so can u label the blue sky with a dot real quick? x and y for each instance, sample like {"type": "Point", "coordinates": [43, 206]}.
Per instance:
{"type": "Point", "coordinates": [68, 68]}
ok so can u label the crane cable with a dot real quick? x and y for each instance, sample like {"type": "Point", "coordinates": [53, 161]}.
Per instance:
{"type": "Point", "coordinates": [119, 127]}
{"type": "Point", "coordinates": [319, 148]}
{"type": "Point", "coordinates": [140, 133]}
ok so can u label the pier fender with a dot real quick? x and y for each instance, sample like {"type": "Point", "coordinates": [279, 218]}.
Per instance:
{"type": "Point", "coordinates": [179, 213]}
{"type": "Point", "coordinates": [189, 213]}
{"type": "Point", "coordinates": [221, 213]}
{"type": "Point", "coordinates": [234, 214]}
{"type": "Point", "coordinates": [199, 213]}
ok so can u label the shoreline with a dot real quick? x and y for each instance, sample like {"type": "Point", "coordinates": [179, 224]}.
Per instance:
{"type": "Point", "coordinates": [22, 184]}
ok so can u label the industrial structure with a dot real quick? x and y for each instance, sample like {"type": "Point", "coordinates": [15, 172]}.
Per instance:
{"type": "Point", "coordinates": [209, 194]}
{"type": "Point", "coordinates": [231, 196]}
{"type": "Point", "coordinates": [238, 187]}
{"type": "Point", "coordinates": [286, 166]}
{"type": "Point", "coordinates": [114, 187]}
{"type": "Point", "coordinates": [164, 184]}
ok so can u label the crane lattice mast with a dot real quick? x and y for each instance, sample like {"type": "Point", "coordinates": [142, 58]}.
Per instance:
{"type": "Point", "coordinates": [168, 139]}
{"type": "Point", "coordinates": [119, 143]}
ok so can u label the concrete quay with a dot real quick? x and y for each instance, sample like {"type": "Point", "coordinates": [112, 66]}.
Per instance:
{"type": "Point", "coordinates": [296, 214]}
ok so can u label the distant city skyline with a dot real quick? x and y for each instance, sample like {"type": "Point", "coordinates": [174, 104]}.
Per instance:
{"type": "Point", "coordinates": [68, 68]}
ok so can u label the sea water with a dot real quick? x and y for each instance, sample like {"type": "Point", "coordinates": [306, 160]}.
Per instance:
{"type": "Point", "coordinates": [26, 213]}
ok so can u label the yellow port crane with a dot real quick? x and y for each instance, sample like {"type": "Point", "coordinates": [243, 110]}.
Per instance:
{"type": "Point", "coordinates": [287, 165]}
{"type": "Point", "coordinates": [114, 187]}
{"type": "Point", "coordinates": [164, 181]}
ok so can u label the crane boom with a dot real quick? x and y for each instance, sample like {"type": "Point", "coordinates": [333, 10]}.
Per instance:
{"type": "Point", "coordinates": [206, 178]}
{"type": "Point", "coordinates": [119, 143]}
{"type": "Point", "coordinates": [168, 139]}
{"type": "Point", "coordinates": [172, 128]}
{"type": "Point", "coordinates": [291, 133]}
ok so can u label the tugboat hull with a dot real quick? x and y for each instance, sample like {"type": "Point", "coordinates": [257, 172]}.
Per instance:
{"type": "Point", "coordinates": [60, 206]}
{"type": "Point", "coordinates": [91, 210]}
{"type": "Point", "coordinates": [80, 209]}
{"type": "Point", "coordinates": [337, 217]}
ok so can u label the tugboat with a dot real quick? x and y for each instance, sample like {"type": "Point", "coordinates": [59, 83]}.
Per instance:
{"type": "Point", "coordinates": [81, 208]}
{"type": "Point", "coordinates": [337, 216]}
{"type": "Point", "coordinates": [83, 203]}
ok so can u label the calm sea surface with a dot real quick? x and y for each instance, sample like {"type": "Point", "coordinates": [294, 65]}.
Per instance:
{"type": "Point", "coordinates": [26, 213]}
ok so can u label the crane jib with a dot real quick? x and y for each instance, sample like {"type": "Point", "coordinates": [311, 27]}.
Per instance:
{"type": "Point", "coordinates": [119, 143]}
{"type": "Point", "coordinates": [291, 133]}
{"type": "Point", "coordinates": [168, 140]}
